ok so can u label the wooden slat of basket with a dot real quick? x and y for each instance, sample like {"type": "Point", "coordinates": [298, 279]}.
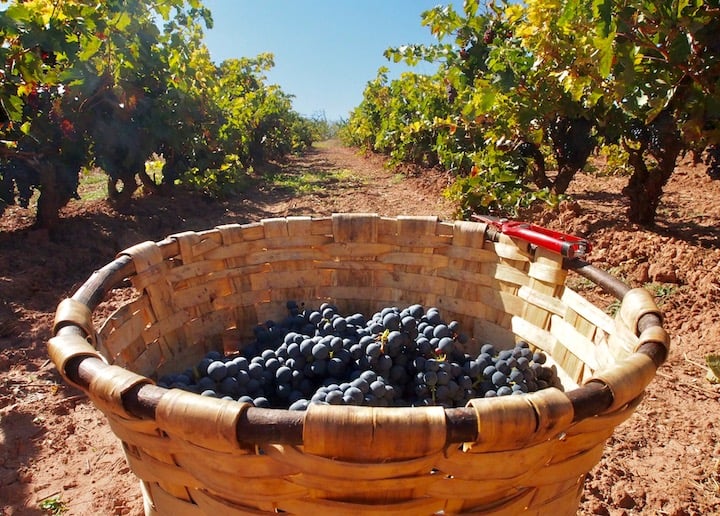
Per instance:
{"type": "Point", "coordinates": [472, 463]}
{"type": "Point", "coordinates": [319, 507]}
{"type": "Point", "coordinates": [333, 467]}
{"type": "Point", "coordinates": [184, 273]}
{"type": "Point", "coordinates": [547, 270]}
{"type": "Point", "coordinates": [582, 349]}
{"type": "Point", "coordinates": [470, 491]}
{"type": "Point", "coordinates": [362, 227]}
{"type": "Point", "coordinates": [276, 228]}
{"type": "Point", "coordinates": [256, 491]}
{"type": "Point", "coordinates": [425, 260]}
{"type": "Point", "coordinates": [159, 502]}
{"type": "Point", "coordinates": [293, 279]}
{"type": "Point", "coordinates": [550, 304]}
{"type": "Point", "coordinates": [209, 327]}
{"type": "Point", "coordinates": [147, 361]}
{"type": "Point", "coordinates": [122, 327]}
{"type": "Point", "coordinates": [299, 225]}
{"type": "Point", "coordinates": [468, 235]}
{"type": "Point", "coordinates": [469, 255]}
{"type": "Point", "coordinates": [573, 467]}
{"type": "Point", "coordinates": [154, 331]}
{"type": "Point", "coordinates": [510, 506]}
{"type": "Point", "coordinates": [165, 472]}
{"type": "Point", "coordinates": [540, 338]}
{"type": "Point", "coordinates": [148, 258]}
{"type": "Point", "coordinates": [230, 235]}
{"type": "Point", "coordinates": [488, 332]}
{"type": "Point", "coordinates": [587, 310]}
{"type": "Point", "coordinates": [575, 443]}
{"type": "Point", "coordinates": [512, 249]}
{"type": "Point", "coordinates": [138, 435]}
{"type": "Point", "coordinates": [414, 242]}
{"type": "Point", "coordinates": [546, 278]}
{"type": "Point", "coordinates": [376, 491]}
{"type": "Point", "coordinates": [561, 499]}
{"type": "Point", "coordinates": [249, 465]}
{"type": "Point", "coordinates": [191, 244]}
{"type": "Point", "coordinates": [209, 504]}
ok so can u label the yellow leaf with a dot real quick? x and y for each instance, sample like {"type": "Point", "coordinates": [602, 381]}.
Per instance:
{"type": "Point", "coordinates": [514, 13]}
{"type": "Point", "coordinates": [24, 89]}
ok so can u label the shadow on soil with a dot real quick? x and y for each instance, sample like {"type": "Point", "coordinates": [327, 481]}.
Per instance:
{"type": "Point", "coordinates": [18, 433]}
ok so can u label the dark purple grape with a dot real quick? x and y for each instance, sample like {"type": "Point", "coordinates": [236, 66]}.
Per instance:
{"type": "Point", "coordinates": [353, 396]}
{"type": "Point", "coordinates": [499, 379]}
{"type": "Point", "coordinates": [539, 357]}
{"type": "Point", "coordinates": [300, 404]}
{"type": "Point", "coordinates": [262, 402]}
{"type": "Point", "coordinates": [504, 391]}
{"type": "Point", "coordinates": [433, 316]}
{"type": "Point", "coordinates": [488, 349]}
{"type": "Point", "coordinates": [217, 370]}
{"type": "Point", "coordinates": [334, 397]}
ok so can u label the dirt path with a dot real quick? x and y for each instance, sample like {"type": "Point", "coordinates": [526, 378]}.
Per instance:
{"type": "Point", "coordinates": [664, 460]}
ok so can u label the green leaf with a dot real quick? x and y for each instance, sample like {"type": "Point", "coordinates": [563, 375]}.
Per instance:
{"type": "Point", "coordinates": [19, 13]}
{"type": "Point", "coordinates": [602, 10]}
{"type": "Point", "coordinates": [605, 48]}
{"type": "Point", "coordinates": [91, 47]}
{"type": "Point", "coordinates": [13, 106]}
{"type": "Point", "coordinates": [569, 12]}
{"type": "Point", "coordinates": [121, 21]}
{"type": "Point", "coordinates": [470, 7]}
{"type": "Point", "coordinates": [484, 99]}
{"type": "Point", "coordinates": [25, 128]}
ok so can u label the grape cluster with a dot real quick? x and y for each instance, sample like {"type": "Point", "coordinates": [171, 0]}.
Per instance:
{"type": "Point", "coordinates": [572, 141]}
{"type": "Point", "coordinates": [397, 357]}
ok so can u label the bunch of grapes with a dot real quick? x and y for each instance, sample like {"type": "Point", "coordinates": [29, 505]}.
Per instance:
{"type": "Point", "coordinates": [397, 357]}
{"type": "Point", "coordinates": [712, 160]}
{"type": "Point", "coordinates": [572, 140]}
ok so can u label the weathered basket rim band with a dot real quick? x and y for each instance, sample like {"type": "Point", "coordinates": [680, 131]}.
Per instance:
{"type": "Point", "coordinates": [258, 425]}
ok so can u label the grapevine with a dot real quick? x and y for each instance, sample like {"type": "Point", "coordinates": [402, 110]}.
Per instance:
{"type": "Point", "coordinates": [111, 88]}
{"type": "Point", "coordinates": [565, 77]}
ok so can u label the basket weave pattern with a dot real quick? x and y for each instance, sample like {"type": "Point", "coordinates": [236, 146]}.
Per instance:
{"type": "Point", "coordinates": [199, 291]}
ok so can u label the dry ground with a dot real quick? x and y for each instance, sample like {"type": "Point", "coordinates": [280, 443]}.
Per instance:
{"type": "Point", "coordinates": [665, 460]}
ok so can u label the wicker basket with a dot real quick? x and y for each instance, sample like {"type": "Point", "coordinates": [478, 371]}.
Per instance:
{"type": "Point", "coordinates": [205, 290]}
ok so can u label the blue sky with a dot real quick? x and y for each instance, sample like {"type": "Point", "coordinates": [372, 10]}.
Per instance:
{"type": "Point", "coordinates": [325, 50]}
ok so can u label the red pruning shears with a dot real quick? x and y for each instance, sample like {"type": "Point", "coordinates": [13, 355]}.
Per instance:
{"type": "Point", "coordinates": [567, 245]}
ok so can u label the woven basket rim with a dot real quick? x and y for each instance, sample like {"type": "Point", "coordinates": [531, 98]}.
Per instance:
{"type": "Point", "coordinates": [73, 324]}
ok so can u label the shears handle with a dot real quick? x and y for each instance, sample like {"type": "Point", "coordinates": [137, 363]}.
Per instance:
{"type": "Point", "coordinates": [567, 245]}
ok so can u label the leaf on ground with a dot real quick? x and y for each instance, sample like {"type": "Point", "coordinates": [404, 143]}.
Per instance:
{"type": "Point", "coordinates": [713, 363]}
